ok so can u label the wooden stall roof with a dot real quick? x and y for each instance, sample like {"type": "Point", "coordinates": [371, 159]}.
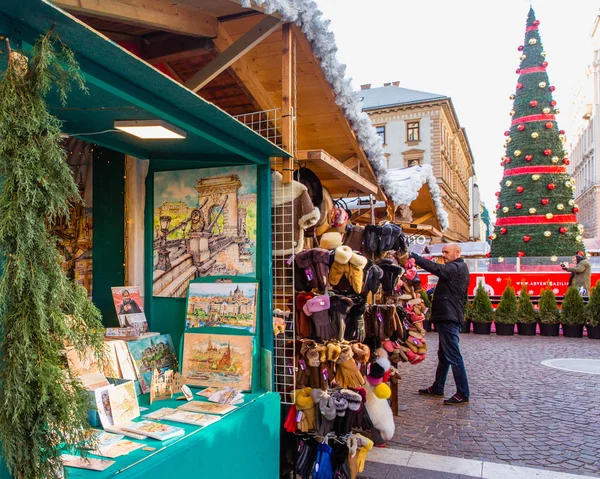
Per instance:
{"type": "Point", "coordinates": [253, 83]}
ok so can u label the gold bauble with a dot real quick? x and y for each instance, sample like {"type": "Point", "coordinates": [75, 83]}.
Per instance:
{"type": "Point", "coordinates": [535, 177]}
{"type": "Point", "coordinates": [500, 259]}
{"type": "Point", "coordinates": [547, 234]}
{"type": "Point", "coordinates": [554, 258]}
{"type": "Point", "coordinates": [542, 84]}
{"type": "Point", "coordinates": [532, 41]}
{"type": "Point", "coordinates": [555, 159]}
{"type": "Point", "coordinates": [523, 57]}
{"type": "Point", "coordinates": [506, 209]}
{"type": "Point", "coordinates": [508, 140]}
{"type": "Point", "coordinates": [571, 202]}
{"type": "Point", "coordinates": [549, 216]}
{"type": "Point", "coordinates": [532, 211]}
{"type": "Point", "coordinates": [543, 54]}
{"type": "Point", "coordinates": [512, 112]}
{"type": "Point", "coordinates": [508, 183]}
{"type": "Point", "coordinates": [518, 152]}
{"type": "Point", "coordinates": [556, 111]}
{"type": "Point", "coordinates": [578, 238]}
{"type": "Point", "coordinates": [560, 206]}
{"type": "Point", "coordinates": [512, 97]}
{"type": "Point", "coordinates": [546, 110]}
{"type": "Point", "coordinates": [568, 183]}
{"type": "Point", "coordinates": [494, 236]}
{"type": "Point", "coordinates": [580, 228]}
{"type": "Point", "coordinates": [535, 134]}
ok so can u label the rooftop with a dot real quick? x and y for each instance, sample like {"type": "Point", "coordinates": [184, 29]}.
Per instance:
{"type": "Point", "coordinates": [385, 96]}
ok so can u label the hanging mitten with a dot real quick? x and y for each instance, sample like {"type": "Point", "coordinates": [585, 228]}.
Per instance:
{"type": "Point", "coordinates": [331, 240]}
{"type": "Point", "coordinates": [338, 460]}
{"type": "Point", "coordinates": [305, 278]}
{"type": "Point", "coordinates": [372, 280]}
{"type": "Point", "coordinates": [303, 322]}
{"type": "Point", "coordinates": [372, 234]}
{"type": "Point", "coordinates": [290, 424]}
{"type": "Point", "coordinates": [361, 355]}
{"type": "Point", "coordinates": [341, 258]}
{"type": "Point", "coordinates": [317, 308]}
{"type": "Point", "coordinates": [317, 395]}
{"type": "Point", "coordinates": [306, 457]}
{"type": "Point", "coordinates": [305, 405]}
{"type": "Point", "coordinates": [365, 445]}
{"type": "Point", "coordinates": [320, 259]}
{"type": "Point", "coordinates": [356, 264]}
{"type": "Point", "coordinates": [347, 374]}
{"type": "Point", "coordinates": [323, 468]}
{"type": "Point", "coordinates": [385, 242]}
{"type": "Point", "coordinates": [391, 272]}
{"type": "Point", "coordinates": [354, 237]}
{"type": "Point", "coordinates": [352, 444]}
{"type": "Point", "coordinates": [354, 403]}
{"type": "Point", "coordinates": [328, 414]}
{"type": "Point", "coordinates": [340, 306]}
{"type": "Point", "coordinates": [353, 317]}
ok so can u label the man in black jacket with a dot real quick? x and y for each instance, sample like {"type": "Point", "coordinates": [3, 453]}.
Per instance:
{"type": "Point", "coordinates": [447, 312]}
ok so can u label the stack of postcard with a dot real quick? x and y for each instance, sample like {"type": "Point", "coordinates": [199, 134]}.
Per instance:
{"type": "Point", "coordinates": [91, 463]}
{"type": "Point", "coordinates": [155, 430]}
{"type": "Point", "coordinates": [206, 407]}
{"type": "Point", "coordinates": [118, 449]}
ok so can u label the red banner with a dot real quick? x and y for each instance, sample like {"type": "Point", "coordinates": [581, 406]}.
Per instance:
{"type": "Point", "coordinates": [495, 283]}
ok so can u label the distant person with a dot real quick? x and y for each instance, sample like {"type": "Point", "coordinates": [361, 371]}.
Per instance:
{"type": "Point", "coordinates": [129, 306]}
{"type": "Point", "coordinates": [447, 312]}
{"type": "Point", "coordinates": [581, 273]}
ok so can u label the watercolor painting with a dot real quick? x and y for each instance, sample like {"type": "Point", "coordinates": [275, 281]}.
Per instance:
{"type": "Point", "coordinates": [231, 305]}
{"type": "Point", "coordinates": [206, 407]}
{"type": "Point", "coordinates": [123, 403]}
{"type": "Point", "coordinates": [148, 354]}
{"type": "Point", "coordinates": [204, 225]}
{"type": "Point", "coordinates": [217, 360]}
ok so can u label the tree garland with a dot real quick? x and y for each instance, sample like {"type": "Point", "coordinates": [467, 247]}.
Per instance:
{"type": "Point", "coordinates": [43, 407]}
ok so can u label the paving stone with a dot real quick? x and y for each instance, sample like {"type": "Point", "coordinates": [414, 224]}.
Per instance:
{"type": "Point", "coordinates": [520, 410]}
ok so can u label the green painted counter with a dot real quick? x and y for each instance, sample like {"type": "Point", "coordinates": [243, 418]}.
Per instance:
{"type": "Point", "coordinates": [244, 443]}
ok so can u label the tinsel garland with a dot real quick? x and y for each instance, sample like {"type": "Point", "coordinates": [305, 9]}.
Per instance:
{"type": "Point", "coordinates": [43, 407]}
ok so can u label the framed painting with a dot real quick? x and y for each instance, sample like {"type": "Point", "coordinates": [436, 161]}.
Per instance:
{"type": "Point", "coordinates": [148, 354]}
{"type": "Point", "coordinates": [231, 305]}
{"type": "Point", "coordinates": [217, 360]}
{"type": "Point", "coordinates": [204, 225]}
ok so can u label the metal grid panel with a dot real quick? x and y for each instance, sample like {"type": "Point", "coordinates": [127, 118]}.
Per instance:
{"type": "Point", "coordinates": [266, 123]}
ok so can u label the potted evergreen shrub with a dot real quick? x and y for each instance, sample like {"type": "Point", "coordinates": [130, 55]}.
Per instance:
{"type": "Point", "coordinates": [526, 315]}
{"type": "Point", "coordinates": [592, 311]}
{"type": "Point", "coordinates": [466, 325]}
{"type": "Point", "coordinates": [482, 312]}
{"type": "Point", "coordinates": [549, 313]}
{"type": "Point", "coordinates": [573, 314]}
{"type": "Point", "coordinates": [505, 316]}
{"type": "Point", "coordinates": [427, 301]}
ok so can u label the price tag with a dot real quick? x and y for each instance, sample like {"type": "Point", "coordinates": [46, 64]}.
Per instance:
{"type": "Point", "coordinates": [302, 364]}
{"type": "Point", "coordinates": [289, 260]}
{"type": "Point", "coordinates": [299, 416]}
{"type": "Point", "coordinates": [379, 316]}
{"type": "Point", "coordinates": [309, 274]}
{"type": "Point", "coordinates": [290, 367]}
{"type": "Point", "coordinates": [325, 374]}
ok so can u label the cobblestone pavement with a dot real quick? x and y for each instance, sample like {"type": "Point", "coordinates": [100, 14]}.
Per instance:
{"type": "Point", "coordinates": [521, 412]}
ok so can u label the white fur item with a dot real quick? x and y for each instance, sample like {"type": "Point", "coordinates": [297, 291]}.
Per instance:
{"type": "Point", "coordinates": [380, 413]}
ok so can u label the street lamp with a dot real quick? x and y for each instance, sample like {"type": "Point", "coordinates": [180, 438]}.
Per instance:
{"type": "Point", "coordinates": [164, 264]}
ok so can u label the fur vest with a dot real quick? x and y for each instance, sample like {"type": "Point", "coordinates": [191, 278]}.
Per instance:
{"type": "Point", "coordinates": [292, 212]}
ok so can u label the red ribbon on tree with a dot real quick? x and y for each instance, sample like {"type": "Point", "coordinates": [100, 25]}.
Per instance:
{"type": "Point", "coordinates": [525, 71]}
{"type": "Point", "coordinates": [531, 28]}
{"type": "Point", "coordinates": [529, 118]}
{"type": "Point", "coordinates": [535, 220]}
{"type": "Point", "coordinates": [532, 170]}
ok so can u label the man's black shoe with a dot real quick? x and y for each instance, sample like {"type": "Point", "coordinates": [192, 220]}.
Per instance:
{"type": "Point", "coordinates": [455, 400]}
{"type": "Point", "coordinates": [430, 392]}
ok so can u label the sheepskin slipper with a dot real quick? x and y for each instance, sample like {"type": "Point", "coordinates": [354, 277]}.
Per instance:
{"type": "Point", "coordinates": [331, 240]}
{"type": "Point", "coordinates": [343, 254]}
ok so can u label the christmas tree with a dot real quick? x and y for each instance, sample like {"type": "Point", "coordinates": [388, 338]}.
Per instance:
{"type": "Point", "coordinates": [535, 210]}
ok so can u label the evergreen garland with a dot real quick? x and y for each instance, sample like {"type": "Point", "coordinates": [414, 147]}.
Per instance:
{"type": "Point", "coordinates": [548, 309]}
{"type": "Point", "coordinates": [592, 309]}
{"type": "Point", "coordinates": [525, 310]}
{"type": "Point", "coordinates": [43, 408]}
{"type": "Point", "coordinates": [482, 311]}
{"type": "Point", "coordinates": [506, 312]}
{"type": "Point", "coordinates": [573, 309]}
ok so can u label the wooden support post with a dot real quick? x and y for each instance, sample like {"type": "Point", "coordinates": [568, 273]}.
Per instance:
{"type": "Point", "coordinates": [394, 398]}
{"type": "Point", "coordinates": [287, 99]}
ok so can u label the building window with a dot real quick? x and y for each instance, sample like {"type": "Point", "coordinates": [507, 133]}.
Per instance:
{"type": "Point", "coordinates": [380, 130]}
{"type": "Point", "coordinates": [412, 131]}
{"type": "Point", "coordinates": [414, 162]}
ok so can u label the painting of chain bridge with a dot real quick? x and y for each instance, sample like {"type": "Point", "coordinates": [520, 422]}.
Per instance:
{"type": "Point", "coordinates": [204, 225]}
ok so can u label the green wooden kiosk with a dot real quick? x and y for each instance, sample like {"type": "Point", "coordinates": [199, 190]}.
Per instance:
{"type": "Point", "coordinates": [122, 87]}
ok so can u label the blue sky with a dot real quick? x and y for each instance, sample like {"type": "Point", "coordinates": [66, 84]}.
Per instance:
{"type": "Point", "coordinates": [466, 49]}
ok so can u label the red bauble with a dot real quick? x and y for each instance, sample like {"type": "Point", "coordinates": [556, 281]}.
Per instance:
{"type": "Point", "coordinates": [533, 103]}
{"type": "Point", "coordinates": [562, 229]}
{"type": "Point", "coordinates": [528, 157]}
{"type": "Point", "coordinates": [566, 161]}
{"type": "Point", "coordinates": [520, 48]}
{"type": "Point", "coordinates": [517, 71]}
{"type": "Point", "coordinates": [536, 23]}
{"type": "Point", "coordinates": [562, 132]}
{"type": "Point", "coordinates": [487, 255]}
{"type": "Point", "coordinates": [507, 160]}
{"type": "Point", "coordinates": [520, 254]}
{"type": "Point", "coordinates": [527, 238]}
{"type": "Point", "coordinates": [518, 205]}
{"type": "Point", "coordinates": [521, 127]}
{"type": "Point", "coordinates": [520, 189]}
{"type": "Point", "coordinates": [549, 125]}
{"type": "Point", "coordinates": [503, 231]}
{"type": "Point", "coordinates": [498, 206]}
{"type": "Point", "coordinates": [551, 186]}
{"type": "Point", "coordinates": [551, 88]}
{"type": "Point", "coordinates": [544, 64]}
{"type": "Point", "coordinates": [490, 237]}
{"type": "Point", "coordinates": [547, 152]}
{"type": "Point", "coordinates": [545, 201]}
{"type": "Point", "coordinates": [553, 103]}
{"type": "Point", "coordinates": [519, 86]}
{"type": "Point", "coordinates": [507, 133]}
{"type": "Point", "coordinates": [497, 194]}
{"type": "Point", "coordinates": [575, 209]}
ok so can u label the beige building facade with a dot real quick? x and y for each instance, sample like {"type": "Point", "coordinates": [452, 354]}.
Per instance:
{"type": "Point", "coordinates": [419, 128]}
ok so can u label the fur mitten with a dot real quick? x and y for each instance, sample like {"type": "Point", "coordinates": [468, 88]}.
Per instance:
{"type": "Point", "coordinates": [340, 306]}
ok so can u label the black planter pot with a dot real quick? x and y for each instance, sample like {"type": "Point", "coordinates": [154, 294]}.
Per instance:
{"type": "Point", "coordinates": [572, 330]}
{"type": "Point", "coordinates": [466, 327]}
{"type": "Point", "coordinates": [526, 329]}
{"type": "Point", "coordinates": [427, 325]}
{"type": "Point", "coordinates": [593, 332]}
{"type": "Point", "coordinates": [503, 329]}
{"type": "Point", "coordinates": [482, 328]}
{"type": "Point", "coordinates": [549, 329]}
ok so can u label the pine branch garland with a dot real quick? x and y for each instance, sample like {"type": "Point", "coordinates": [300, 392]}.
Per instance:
{"type": "Point", "coordinates": [43, 408]}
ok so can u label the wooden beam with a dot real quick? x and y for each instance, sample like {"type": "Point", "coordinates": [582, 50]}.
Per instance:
{"type": "Point", "coordinates": [178, 48]}
{"type": "Point", "coordinates": [121, 37]}
{"type": "Point", "coordinates": [244, 73]}
{"type": "Point", "coordinates": [235, 51]}
{"type": "Point", "coordinates": [173, 72]}
{"type": "Point", "coordinates": [423, 218]}
{"type": "Point", "coordinates": [287, 100]}
{"type": "Point", "coordinates": [351, 162]}
{"type": "Point", "coordinates": [152, 14]}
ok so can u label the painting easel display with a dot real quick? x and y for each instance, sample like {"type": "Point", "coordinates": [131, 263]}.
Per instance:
{"type": "Point", "coordinates": [204, 225]}
{"type": "Point", "coordinates": [217, 360]}
{"type": "Point", "coordinates": [231, 305]}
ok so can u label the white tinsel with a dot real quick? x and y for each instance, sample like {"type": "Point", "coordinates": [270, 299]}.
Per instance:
{"type": "Point", "coordinates": [307, 16]}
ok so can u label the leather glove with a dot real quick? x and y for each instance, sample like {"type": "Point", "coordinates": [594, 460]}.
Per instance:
{"type": "Point", "coordinates": [317, 308]}
{"type": "Point", "coordinates": [304, 402]}
{"type": "Point", "coordinates": [365, 445]}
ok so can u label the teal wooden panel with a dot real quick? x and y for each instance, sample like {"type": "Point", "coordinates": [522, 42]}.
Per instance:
{"type": "Point", "coordinates": [109, 230]}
